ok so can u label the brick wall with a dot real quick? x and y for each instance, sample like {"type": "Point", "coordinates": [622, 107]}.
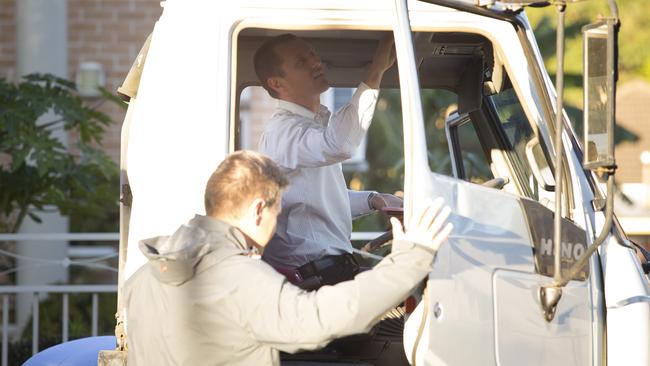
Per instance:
{"type": "Point", "coordinates": [633, 113]}
{"type": "Point", "coordinates": [7, 39]}
{"type": "Point", "coordinates": [110, 32]}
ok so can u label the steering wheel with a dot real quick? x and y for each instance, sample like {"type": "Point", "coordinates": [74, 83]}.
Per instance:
{"type": "Point", "coordinates": [496, 183]}
{"type": "Point", "coordinates": [378, 241]}
{"type": "Point", "coordinates": [387, 236]}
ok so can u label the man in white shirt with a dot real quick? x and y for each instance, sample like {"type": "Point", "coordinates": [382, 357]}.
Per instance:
{"type": "Point", "coordinates": [312, 241]}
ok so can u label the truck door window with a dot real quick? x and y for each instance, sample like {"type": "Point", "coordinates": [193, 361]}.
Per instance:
{"type": "Point", "coordinates": [498, 140]}
{"type": "Point", "coordinates": [475, 164]}
{"type": "Point", "coordinates": [520, 137]}
{"type": "Point", "coordinates": [437, 105]}
{"type": "Point", "coordinates": [450, 68]}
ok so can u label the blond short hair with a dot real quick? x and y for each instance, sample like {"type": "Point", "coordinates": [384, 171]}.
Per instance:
{"type": "Point", "coordinates": [240, 178]}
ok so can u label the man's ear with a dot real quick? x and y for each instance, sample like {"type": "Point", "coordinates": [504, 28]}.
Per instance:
{"type": "Point", "coordinates": [257, 207]}
{"type": "Point", "coordinates": [276, 83]}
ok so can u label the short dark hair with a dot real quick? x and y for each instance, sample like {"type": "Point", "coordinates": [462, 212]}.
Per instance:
{"type": "Point", "coordinates": [268, 62]}
{"type": "Point", "coordinates": [240, 178]}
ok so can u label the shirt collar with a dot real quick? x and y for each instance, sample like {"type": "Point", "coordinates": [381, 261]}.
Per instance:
{"type": "Point", "coordinates": [323, 112]}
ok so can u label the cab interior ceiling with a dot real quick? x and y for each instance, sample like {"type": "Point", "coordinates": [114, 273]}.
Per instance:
{"type": "Point", "coordinates": [463, 63]}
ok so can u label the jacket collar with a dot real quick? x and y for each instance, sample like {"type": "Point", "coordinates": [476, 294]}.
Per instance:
{"type": "Point", "coordinates": [204, 241]}
{"type": "Point", "coordinates": [233, 234]}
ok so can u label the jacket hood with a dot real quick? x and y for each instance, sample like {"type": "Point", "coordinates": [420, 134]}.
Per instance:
{"type": "Point", "coordinates": [174, 259]}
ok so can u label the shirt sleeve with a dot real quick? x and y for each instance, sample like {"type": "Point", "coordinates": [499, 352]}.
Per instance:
{"type": "Point", "coordinates": [359, 203]}
{"type": "Point", "coordinates": [291, 320]}
{"type": "Point", "coordinates": [304, 143]}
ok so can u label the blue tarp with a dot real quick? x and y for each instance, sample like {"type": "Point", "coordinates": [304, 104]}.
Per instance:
{"type": "Point", "coordinates": [80, 352]}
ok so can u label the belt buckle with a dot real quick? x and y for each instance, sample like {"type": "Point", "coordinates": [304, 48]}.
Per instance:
{"type": "Point", "coordinates": [307, 270]}
{"type": "Point", "coordinates": [297, 277]}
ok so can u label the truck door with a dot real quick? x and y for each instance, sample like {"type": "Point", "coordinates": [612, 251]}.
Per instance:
{"type": "Point", "coordinates": [481, 304]}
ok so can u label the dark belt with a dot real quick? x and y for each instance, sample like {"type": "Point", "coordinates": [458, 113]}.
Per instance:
{"type": "Point", "coordinates": [328, 270]}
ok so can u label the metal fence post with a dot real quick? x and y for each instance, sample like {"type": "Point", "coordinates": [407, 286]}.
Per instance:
{"type": "Point", "coordinates": [95, 313]}
{"type": "Point", "coordinates": [5, 330]}
{"type": "Point", "coordinates": [35, 320]}
{"type": "Point", "coordinates": [65, 320]}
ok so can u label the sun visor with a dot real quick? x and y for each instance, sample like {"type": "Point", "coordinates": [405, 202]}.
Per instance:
{"type": "Point", "coordinates": [470, 86]}
{"type": "Point", "coordinates": [129, 88]}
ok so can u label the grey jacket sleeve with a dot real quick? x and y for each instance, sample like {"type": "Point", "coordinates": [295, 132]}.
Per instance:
{"type": "Point", "coordinates": [290, 319]}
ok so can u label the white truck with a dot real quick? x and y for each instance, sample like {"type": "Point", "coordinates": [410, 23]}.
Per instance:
{"type": "Point", "coordinates": [529, 203]}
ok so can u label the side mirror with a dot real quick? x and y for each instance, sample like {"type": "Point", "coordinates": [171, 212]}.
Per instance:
{"type": "Point", "coordinates": [600, 73]}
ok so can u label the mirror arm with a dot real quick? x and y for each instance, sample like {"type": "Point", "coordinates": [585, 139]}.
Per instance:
{"type": "Point", "coordinates": [645, 265]}
{"type": "Point", "coordinates": [609, 220]}
{"type": "Point", "coordinates": [613, 7]}
{"type": "Point", "coordinates": [549, 295]}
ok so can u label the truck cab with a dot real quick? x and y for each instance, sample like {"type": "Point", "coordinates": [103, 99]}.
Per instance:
{"type": "Point", "coordinates": [469, 112]}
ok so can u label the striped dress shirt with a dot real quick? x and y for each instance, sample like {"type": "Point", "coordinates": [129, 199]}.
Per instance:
{"type": "Point", "coordinates": [317, 208]}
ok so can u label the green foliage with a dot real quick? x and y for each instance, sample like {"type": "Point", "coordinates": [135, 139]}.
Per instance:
{"type": "Point", "coordinates": [385, 156]}
{"type": "Point", "coordinates": [385, 150]}
{"type": "Point", "coordinates": [634, 61]}
{"type": "Point", "coordinates": [38, 172]}
{"type": "Point", "coordinates": [36, 169]}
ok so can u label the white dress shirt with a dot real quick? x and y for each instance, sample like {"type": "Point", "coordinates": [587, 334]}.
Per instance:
{"type": "Point", "coordinates": [317, 208]}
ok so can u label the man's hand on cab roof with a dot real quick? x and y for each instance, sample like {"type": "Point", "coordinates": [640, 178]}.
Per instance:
{"type": "Point", "coordinates": [384, 58]}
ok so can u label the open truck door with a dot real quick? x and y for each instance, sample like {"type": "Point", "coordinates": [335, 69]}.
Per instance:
{"type": "Point", "coordinates": [483, 287]}
{"type": "Point", "coordinates": [502, 285]}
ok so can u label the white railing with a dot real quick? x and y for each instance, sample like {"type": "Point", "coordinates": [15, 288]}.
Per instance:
{"type": "Point", "coordinates": [81, 256]}
{"type": "Point", "coordinates": [365, 235]}
{"type": "Point", "coordinates": [61, 237]}
{"type": "Point", "coordinates": [91, 256]}
{"type": "Point", "coordinates": [36, 291]}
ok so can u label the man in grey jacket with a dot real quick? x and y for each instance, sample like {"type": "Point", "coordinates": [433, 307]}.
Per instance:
{"type": "Point", "coordinates": [205, 297]}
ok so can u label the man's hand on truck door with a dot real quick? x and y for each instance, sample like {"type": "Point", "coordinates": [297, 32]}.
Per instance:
{"type": "Point", "coordinates": [429, 227]}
